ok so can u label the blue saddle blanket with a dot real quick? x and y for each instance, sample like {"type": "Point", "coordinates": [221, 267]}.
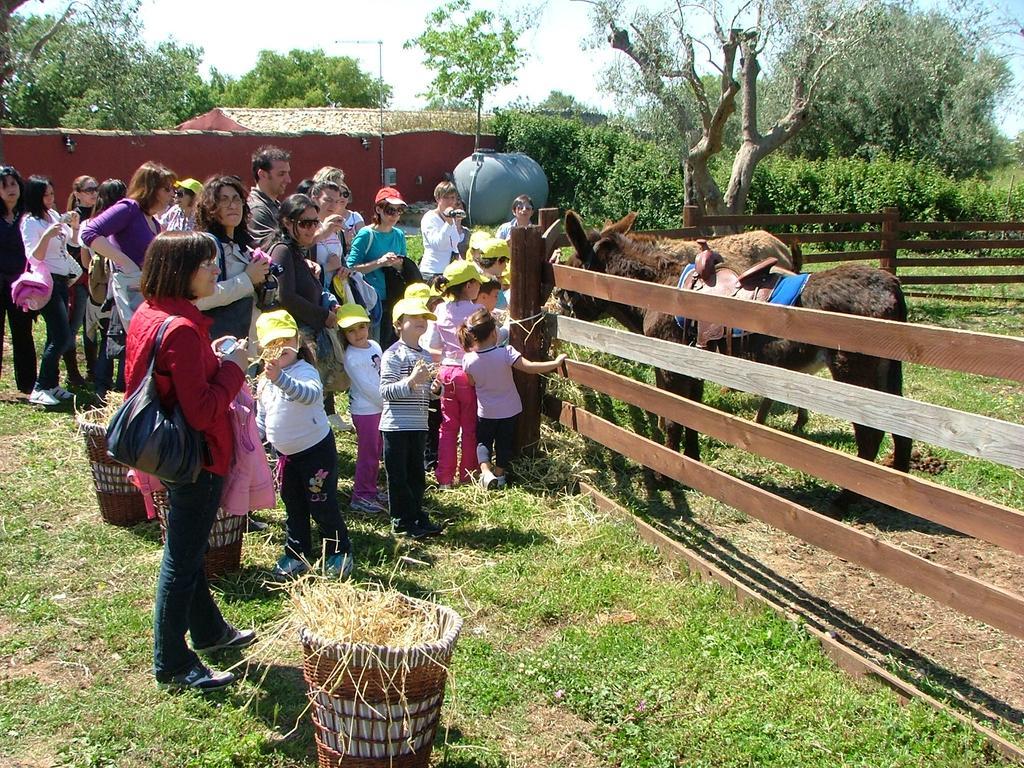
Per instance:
{"type": "Point", "coordinates": [785, 294]}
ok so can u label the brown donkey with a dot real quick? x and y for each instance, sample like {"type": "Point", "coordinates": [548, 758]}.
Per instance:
{"type": "Point", "coordinates": [849, 289]}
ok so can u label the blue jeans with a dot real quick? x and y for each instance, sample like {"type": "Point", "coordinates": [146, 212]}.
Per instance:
{"type": "Point", "coordinates": [183, 599]}
{"type": "Point", "coordinates": [58, 334]}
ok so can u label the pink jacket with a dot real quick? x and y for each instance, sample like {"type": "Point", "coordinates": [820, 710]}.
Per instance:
{"type": "Point", "coordinates": [249, 483]}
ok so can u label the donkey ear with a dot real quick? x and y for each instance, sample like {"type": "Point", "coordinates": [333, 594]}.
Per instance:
{"type": "Point", "coordinates": [577, 235]}
{"type": "Point", "coordinates": [622, 226]}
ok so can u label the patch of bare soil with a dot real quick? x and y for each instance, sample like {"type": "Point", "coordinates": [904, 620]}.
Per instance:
{"type": "Point", "coordinates": [556, 737]}
{"type": "Point", "coordinates": [980, 668]}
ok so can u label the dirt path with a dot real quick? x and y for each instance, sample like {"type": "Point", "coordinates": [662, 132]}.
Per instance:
{"type": "Point", "coordinates": [980, 668]}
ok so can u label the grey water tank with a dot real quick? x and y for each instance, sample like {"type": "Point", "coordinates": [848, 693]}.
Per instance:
{"type": "Point", "coordinates": [489, 181]}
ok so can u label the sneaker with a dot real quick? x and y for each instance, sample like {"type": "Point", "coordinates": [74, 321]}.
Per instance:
{"type": "Point", "coordinates": [339, 423]}
{"type": "Point", "coordinates": [383, 497]}
{"type": "Point", "coordinates": [488, 480]}
{"type": "Point", "coordinates": [502, 481]}
{"type": "Point", "coordinates": [43, 397]}
{"type": "Point", "coordinates": [252, 525]}
{"type": "Point", "coordinates": [61, 393]}
{"type": "Point", "coordinates": [367, 506]}
{"type": "Point", "coordinates": [232, 640]}
{"type": "Point", "coordinates": [429, 527]}
{"type": "Point", "coordinates": [199, 677]}
{"type": "Point", "coordinates": [412, 530]}
{"type": "Point", "coordinates": [339, 566]}
{"type": "Point", "coordinates": [288, 568]}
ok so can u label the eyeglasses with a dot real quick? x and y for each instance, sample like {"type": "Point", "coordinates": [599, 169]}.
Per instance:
{"type": "Point", "coordinates": [491, 262]}
{"type": "Point", "coordinates": [89, 189]}
{"type": "Point", "coordinates": [345, 194]}
{"type": "Point", "coordinates": [179, 193]}
{"type": "Point", "coordinates": [7, 170]}
{"type": "Point", "coordinates": [306, 223]}
{"type": "Point", "coordinates": [524, 208]}
{"type": "Point", "coordinates": [228, 200]}
{"type": "Point", "coordinates": [210, 264]}
{"type": "Point", "coordinates": [391, 210]}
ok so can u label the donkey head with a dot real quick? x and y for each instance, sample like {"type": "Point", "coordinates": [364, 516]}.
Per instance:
{"type": "Point", "coordinates": [592, 250]}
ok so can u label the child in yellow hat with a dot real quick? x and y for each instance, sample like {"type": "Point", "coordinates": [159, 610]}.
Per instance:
{"type": "Point", "coordinates": [291, 414]}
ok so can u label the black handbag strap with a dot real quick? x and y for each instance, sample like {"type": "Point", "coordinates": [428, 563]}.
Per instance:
{"type": "Point", "coordinates": [156, 348]}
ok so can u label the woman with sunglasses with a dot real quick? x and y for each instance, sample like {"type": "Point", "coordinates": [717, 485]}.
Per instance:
{"type": "Point", "coordinates": [182, 216]}
{"type": "Point", "coordinates": [299, 289]}
{"type": "Point", "coordinates": [378, 247]}
{"type": "Point", "coordinates": [82, 199]}
{"type": "Point", "coordinates": [522, 210]}
{"type": "Point", "coordinates": [12, 264]}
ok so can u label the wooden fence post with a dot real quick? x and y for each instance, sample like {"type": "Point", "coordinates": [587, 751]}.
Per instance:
{"type": "Point", "coordinates": [691, 216]}
{"type": "Point", "coordinates": [527, 331]}
{"type": "Point", "coordinates": [890, 232]}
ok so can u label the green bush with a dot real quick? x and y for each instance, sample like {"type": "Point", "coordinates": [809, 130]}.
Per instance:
{"type": "Point", "coordinates": [605, 172]}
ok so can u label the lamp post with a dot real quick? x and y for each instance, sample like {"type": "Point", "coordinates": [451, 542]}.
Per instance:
{"type": "Point", "coordinates": [380, 90]}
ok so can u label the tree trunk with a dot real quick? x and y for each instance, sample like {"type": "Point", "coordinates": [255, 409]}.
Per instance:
{"type": "Point", "coordinates": [479, 110]}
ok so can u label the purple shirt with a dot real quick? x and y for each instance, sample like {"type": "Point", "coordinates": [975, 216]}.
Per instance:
{"type": "Point", "coordinates": [450, 317]}
{"type": "Point", "coordinates": [496, 393]}
{"type": "Point", "coordinates": [126, 226]}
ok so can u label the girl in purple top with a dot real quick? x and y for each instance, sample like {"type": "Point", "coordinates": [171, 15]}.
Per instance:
{"type": "Point", "coordinates": [460, 284]}
{"type": "Point", "coordinates": [488, 367]}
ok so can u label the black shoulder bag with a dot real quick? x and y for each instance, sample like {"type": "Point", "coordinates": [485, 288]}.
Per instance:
{"type": "Point", "coordinates": [143, 436]}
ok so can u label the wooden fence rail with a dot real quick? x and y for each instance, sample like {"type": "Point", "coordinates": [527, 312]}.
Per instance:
{"type": "Point", "coordinates": [993, 605]}
{"type": "Point", "coordinates": [982, 353]}
{"type": "Point", "coordinates": [954, 509]}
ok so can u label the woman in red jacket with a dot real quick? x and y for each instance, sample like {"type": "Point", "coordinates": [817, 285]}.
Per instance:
{"type": "Point", "coordinates": [180, 268]}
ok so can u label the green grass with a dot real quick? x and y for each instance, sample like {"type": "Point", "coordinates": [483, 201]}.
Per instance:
{"type": "Point", "coordinates": [581, 645]}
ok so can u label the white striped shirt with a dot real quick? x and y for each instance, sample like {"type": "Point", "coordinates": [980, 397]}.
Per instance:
{"type": "Point", "coordinates": [405, 406]}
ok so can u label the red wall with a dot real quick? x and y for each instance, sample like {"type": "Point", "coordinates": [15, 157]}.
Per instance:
{"type": "Point", "coordinates": [421, 158]}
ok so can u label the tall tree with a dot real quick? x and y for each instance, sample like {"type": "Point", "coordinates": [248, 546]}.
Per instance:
{"type": "Point", "coordinates": [95, 72]}
{"type": "Point", "coordinates": [662, 46]}
{"type": "Point", "coordinates": [922, 87]}
{"type": "Point", "coordinates": [472, 53]}
{"type": "Point", "coordinates": [303, 79]}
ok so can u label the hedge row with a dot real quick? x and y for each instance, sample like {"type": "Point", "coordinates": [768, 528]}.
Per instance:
{"type": "Point", "coordinates": [604, 172]}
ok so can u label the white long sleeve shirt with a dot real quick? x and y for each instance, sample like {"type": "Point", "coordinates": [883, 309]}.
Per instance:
{"type": "Point", "coordinates": [57, 257]}
{"type": "Point", "coordinates": [291, 409]}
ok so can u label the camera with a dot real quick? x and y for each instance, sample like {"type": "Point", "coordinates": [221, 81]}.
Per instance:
{"type": "Point", "coordinates": [457, 213]}
{"type": "Point", "coordinates": [65, 218]}
{"type": "Point", "coordinates": [228, 346]}
{"type": "Point", "coordinates": [276, 269]}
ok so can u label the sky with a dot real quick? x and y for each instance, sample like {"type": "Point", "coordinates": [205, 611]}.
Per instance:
{"type": "Point", "coordinates": [231, 34]}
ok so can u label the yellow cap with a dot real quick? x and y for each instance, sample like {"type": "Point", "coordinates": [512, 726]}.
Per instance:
{"type": "Point", "coordinates": [193, 186]}
{"type": "Point", "coordinates": [350, 315]}
{"type": "Point", "coordinates": [479, 239]}
{"type": "Point", "coordinates": [459, 272]}
{"type": "Point", "coordinates": [274, 326]}
{"type": "Point", "coordinates": [495, 248]}
{"type": "Point", "coordinates": [417, 307]}
{"type": "Point", "coordinates": [420, 291]}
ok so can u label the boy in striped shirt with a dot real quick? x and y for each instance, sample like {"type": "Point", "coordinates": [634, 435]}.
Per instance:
{"type": "Point", "coordinates": [407, 384]}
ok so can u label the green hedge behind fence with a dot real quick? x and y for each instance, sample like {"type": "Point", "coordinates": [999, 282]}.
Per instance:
{"type": "Point", "coordinates": [605, 172]}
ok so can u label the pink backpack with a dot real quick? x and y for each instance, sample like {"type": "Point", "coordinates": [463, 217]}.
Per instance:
{"type": "Point", "coordinates": [33, 289]}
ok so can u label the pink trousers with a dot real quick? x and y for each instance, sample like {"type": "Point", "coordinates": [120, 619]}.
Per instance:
{"type": "Point", "coordinates": [458, 414]}
{"type": "Point", "coordinates": [368, 451]}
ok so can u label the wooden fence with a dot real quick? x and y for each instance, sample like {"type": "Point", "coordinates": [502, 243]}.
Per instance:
{"type": "Point", "coordinates": [972, 434]}
{"type": "Point", "coordinates": [893, 243]}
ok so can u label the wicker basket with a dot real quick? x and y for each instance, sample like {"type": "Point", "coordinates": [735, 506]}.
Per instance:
{"type": "Point", "coordinates": [225, 552]}
{"type": "Point", "coordinates": [374, 706]}
{"type": "Point", "coordinates": [120, 502]}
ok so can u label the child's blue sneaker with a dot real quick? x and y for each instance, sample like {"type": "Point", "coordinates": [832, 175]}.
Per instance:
{"type": "Point", "coordinates": [339, 566]}
{"type": "Point", "coordinates": [288, 568]}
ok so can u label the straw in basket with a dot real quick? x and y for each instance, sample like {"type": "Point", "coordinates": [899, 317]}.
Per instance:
{"type": "Point", "coordinates": [225, 552]}
{"type": "Point", "coordinates": [375, 706]}
{"type": "Point", "coordinates": [120, 501]}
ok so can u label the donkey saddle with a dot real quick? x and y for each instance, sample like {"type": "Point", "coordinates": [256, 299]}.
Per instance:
{"type": "Point", "coordinates": [761, 282]}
